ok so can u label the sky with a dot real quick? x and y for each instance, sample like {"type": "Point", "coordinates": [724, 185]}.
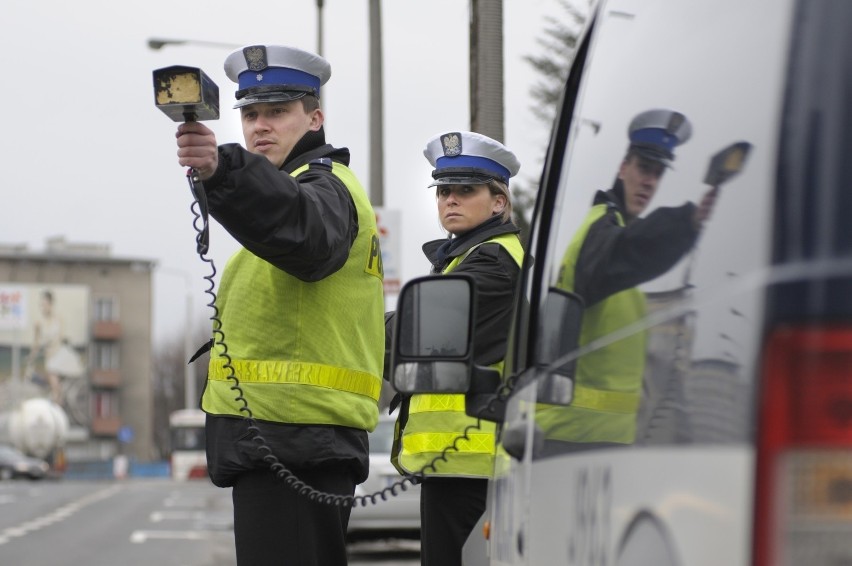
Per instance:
{"type": "Point", "coordinates": [87, 156]}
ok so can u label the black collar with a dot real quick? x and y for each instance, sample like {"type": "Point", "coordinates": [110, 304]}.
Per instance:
{"type": "Point", "coordinates": [441, 252]}
{"type": "Point", "coordinates": [310, 147]}
{"type": "Point", "coordinates": [614, 198]}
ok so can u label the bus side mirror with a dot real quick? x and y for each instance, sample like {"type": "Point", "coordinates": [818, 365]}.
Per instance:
{"type": "Point", "coordinates": [433, 335]}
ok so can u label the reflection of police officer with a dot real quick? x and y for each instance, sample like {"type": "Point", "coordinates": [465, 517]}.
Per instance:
{"type": "Point", "coordinates": [471, 176]}
{"type": "Point", "coordinates": [301, 306]}
{"type": "Point", "coordinates": [614, 251]}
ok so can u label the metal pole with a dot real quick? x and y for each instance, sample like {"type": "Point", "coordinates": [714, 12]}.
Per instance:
{"type": "Point", "coordinates": [319, 27]}
{"type": "Point", "coordinates": [377, 143]}
{"type": "Point", "coordinates": [486, 68]}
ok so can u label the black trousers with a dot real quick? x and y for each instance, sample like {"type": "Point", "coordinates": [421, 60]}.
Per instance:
{"type": "Point", "coordinates": [449, 509]}
{"type": "Point", "coordinates": [275, 526]}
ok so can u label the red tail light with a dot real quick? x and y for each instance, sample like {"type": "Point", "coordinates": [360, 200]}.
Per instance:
{"type": "Point", "coordinates": [197, 472]}
{"type": "Point", "coordinates": [803, 512]}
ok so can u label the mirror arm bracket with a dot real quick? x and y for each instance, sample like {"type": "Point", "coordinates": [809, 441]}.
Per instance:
{"type": "Point", "coordinates": [483, 399]}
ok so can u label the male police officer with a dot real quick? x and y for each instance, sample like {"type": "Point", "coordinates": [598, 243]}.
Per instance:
{"type": "Point", "coordinates": [301, 307]}
{"type": "Point", "coordinates": [614, 251]}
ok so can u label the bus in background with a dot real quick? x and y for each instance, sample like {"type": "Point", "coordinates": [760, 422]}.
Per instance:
{"type": "Point", "coordinates": [188, 459]}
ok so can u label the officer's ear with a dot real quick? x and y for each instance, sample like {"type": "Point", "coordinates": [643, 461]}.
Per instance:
{"type": "Point", "coordinates": [499, 204]}
{"type": "Point", "coordinates": [317, 119]}
{"type": "Point", "coordinates": [624, 164]}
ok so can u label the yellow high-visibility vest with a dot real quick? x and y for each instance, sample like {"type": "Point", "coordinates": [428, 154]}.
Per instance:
{"type": "Point", "coordinates": [608, 381]}
{"type": "Point", "coordinates": [438, 421]}
{"type": "Point", "coordinates": [304, 353]}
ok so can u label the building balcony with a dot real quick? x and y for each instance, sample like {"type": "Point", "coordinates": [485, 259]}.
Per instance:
{"type": "Point", "coordinates": [109, 378]}
{"type": "Point", "coordinates": [105, 426]}
{"type": "Point", "coordinates": [106, 330]}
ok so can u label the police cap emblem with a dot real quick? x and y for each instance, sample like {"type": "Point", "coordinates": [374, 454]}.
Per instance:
{"type": "Point", "coordinates": [255, 57]}
{"type": "Point", "coordinates": [452, 144]}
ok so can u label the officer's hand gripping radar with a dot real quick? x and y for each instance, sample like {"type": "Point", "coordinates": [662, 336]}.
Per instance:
{"type": "Point", "coordinates": [186, 94]}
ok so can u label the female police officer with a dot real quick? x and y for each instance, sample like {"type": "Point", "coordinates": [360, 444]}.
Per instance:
{"type": "Point", "coordinates": [472, 175]}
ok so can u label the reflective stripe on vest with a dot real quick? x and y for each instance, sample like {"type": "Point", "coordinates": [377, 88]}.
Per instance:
{"type": "Point", "coordinates": [305, 353]}
{"type": "Point", "coordinates": [306, 373]}
{"type": "Point", "coordinates": [608, 380]}
{"type": "Point", "coordinates": [436, 422]}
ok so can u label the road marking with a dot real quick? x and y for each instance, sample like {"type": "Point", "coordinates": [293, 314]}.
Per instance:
{"type": "Point", "coordinates": [57, 515]}
{"type": "Point", "coordinates": [139, 537]}
{"type": "Point", "coordinates": [158, 516]}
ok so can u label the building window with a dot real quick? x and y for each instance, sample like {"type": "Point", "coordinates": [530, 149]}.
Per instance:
{"type": "Point", "coordinates": [106, 309]}
{"type": "Point", "coordinates": [104, 404]}
{"type": "Point", "coordinates": [106, 355]}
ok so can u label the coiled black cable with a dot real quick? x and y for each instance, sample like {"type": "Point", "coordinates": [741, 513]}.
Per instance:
{"type": "Point", "coordinates": [200, 223]}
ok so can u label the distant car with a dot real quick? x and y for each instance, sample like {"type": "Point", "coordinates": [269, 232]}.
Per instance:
{"type": "Point", "coordinates": [16, 464]}
{"type": "Point", "coordinates": [397, 517]}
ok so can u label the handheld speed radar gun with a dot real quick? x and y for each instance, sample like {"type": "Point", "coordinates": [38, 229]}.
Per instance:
{"type": "Point", "coordinates": [186, 94]}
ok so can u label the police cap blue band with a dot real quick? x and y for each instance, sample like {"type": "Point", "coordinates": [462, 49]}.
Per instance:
{"type": "Point", "coordinates": [655, 137]}
{"type": "Point", "coordinates": [480, 163]}
{"type": "Point", "coordinates": [272, 76]}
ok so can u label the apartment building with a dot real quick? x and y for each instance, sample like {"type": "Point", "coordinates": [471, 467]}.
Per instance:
{"type": "Point", "coordinates": [75, 326]}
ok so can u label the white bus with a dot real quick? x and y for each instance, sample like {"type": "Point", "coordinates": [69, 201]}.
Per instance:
{"type": "Point", "coordinates": [736, 433]}
{"type": "Point", "coordinates": [188, 458]}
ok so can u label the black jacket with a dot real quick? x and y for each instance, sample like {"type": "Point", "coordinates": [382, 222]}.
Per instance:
{"type": "Point", "coordinates": [495, 275]}
{"type": "Point", "coordinates": [615, 257]}
{"type": "Point", "coordinates": [305, 227]}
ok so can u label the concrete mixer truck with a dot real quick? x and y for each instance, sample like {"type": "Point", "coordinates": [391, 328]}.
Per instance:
{"type": "Point", "coordinates": [37, 427]}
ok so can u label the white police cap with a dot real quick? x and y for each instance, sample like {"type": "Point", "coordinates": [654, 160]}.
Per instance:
{"type": "Point", "coordinates": [275, 73]}
{"type": "Point", "coordinates": [469, 158]}
{"type": "Point", "coordinates": [654, 134]}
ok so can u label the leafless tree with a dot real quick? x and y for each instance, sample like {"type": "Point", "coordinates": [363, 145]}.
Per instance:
{"type": "Point", "coordinates": [559, 42]}
{"type": "Point", "coordinates": [170, 380]}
